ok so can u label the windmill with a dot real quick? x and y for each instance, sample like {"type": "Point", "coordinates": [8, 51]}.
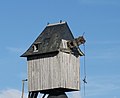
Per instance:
{"type": "Point", "coordinates": [54, 62]}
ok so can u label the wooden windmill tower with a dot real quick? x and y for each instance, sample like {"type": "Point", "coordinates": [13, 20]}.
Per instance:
{"type": "Point", "coordinates": [54, 62]}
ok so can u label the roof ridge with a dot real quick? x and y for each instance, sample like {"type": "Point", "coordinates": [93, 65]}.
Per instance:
{"type": "Point", "coordinates": [58, 23]}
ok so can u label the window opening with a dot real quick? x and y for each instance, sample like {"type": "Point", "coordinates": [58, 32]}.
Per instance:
{"type": "Point", "coordinates": [35, 48]}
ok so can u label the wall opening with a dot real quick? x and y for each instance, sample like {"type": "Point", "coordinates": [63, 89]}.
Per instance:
{"type": "Point", "coordinates": [35, 48]}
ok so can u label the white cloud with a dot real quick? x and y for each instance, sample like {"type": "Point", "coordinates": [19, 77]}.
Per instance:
{"type": "Point", "coordinates": [11, 93]}
{"type": "Point", "coordinates": [75, 94]}
{"type": "Point", "coordinates": [14, 93]}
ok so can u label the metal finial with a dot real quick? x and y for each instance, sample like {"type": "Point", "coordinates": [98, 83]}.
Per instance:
{"type": "Point", "coordinates": [60, 21]}
{"type": "Point", "coordinates": [48, 23]}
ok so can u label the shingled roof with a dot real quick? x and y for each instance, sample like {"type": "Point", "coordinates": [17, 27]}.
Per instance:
{"type": "Point", "coordinates": [50, 38]}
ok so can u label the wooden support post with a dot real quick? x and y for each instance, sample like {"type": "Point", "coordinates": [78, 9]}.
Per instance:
{"type": "Point", "coordinates": [23, 83]}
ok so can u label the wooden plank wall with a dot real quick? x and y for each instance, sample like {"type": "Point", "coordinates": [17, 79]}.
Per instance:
{"type": "Point", "coordinates": [54, 72]}
{"type": "Point", "coordinates": [58, 71]}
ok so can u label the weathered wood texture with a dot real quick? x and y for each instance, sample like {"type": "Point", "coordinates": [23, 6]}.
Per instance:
{"type": "Point", "coordinates": [59, 71]}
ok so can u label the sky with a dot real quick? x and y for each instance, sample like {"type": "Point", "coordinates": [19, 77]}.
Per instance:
{"type": "Point", "coordinates": [21, 21]}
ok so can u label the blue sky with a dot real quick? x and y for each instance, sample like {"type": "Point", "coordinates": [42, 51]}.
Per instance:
{"type": "Point", "coordinates": [21, 21]}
